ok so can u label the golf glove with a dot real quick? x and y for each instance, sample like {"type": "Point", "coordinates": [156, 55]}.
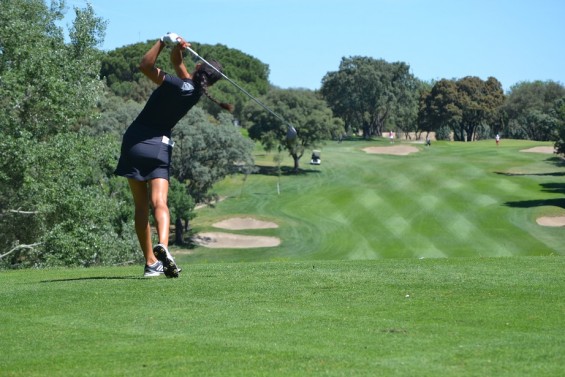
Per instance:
{"type": "Point", "coordinates": [170, 38]}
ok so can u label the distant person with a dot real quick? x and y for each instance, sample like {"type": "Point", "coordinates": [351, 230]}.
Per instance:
{"type": "Point", "coordinates": [428, 141]}
{"type": "Point", "coordinates": [497, 139]}
{"type": "Point", "coordinates": [391, 137]}
{"type": "Point", "coordinates": [146, 150]}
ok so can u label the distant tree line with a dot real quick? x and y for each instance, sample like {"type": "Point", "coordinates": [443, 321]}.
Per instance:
{"type": "Point", "coordinates": [65, 105]}
{"type": "Point", "coordinates": [372, 96]}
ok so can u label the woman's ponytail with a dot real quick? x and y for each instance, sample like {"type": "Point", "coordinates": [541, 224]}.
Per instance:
{"type": "Point", "coordinates": [207, 76]}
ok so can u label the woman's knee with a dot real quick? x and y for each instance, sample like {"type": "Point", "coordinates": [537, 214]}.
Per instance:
{"type": "Point", "coordinates": [159, 193]}
{"type": "Point", "coordinates": [159, 204]}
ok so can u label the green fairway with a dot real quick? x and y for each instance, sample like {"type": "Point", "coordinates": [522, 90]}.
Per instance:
{"type": "Point", "coordinates": [450, 200]}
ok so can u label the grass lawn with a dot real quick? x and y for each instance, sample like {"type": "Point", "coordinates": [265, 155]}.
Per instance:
{"type": "Point", "coordinates": [388, 317]}
{"type": "Point", "coordinates": [450, 200]}
{"type": "Point", "coordinates": [430, 264]}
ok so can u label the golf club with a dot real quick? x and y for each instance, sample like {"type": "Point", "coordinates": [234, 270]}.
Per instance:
{"type": "Point", "coordinates": [291, 131]}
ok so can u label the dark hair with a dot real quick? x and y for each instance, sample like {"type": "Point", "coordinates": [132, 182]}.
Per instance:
{"type": "Point", "coordinates": [206, 76]}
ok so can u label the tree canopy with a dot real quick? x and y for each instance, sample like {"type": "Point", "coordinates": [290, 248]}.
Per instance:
{"type": "Point", "coordinates": [120, 70]}
{"type": "Point", "coordinates": [207, 151]}
{"type": "Point", "coordinates": [47, 86]}
{"type": "Point", "coordinates": [308, 113]}
{"type": "Point", "coordinates": [367, 92]}
{"type": "Point", "coordinates": [58, 203]}
{"type": "Point", "coordinates": [463, 105]}
{"type": "Point", "coordinates": [530, 110]}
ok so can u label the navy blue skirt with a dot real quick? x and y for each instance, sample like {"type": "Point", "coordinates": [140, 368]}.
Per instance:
{"type": "Point", "coordinates": [145, 154]}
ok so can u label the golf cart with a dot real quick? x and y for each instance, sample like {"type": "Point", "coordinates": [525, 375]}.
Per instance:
{"type": "Point", "coordinates": [315, 160]}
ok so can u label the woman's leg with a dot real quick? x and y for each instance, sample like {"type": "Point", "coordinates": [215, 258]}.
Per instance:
{"type": "Point", "coordinates": [140, 194]}
{"type": "Point", "coordinates": [159, 194]}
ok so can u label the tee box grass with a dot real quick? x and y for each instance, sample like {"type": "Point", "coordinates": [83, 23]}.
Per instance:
{"type": "Point", "coordinates": [389, 317]}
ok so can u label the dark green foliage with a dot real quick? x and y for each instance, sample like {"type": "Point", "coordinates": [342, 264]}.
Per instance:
{"type": "Point", "coordinates": [15, 206]}
{"type": "Point", "coordinates": [120, 70]}
{"type": "Point", "coordinates": [465, 106]}
{"type": "Point", "coordinates": [206, 152]}
{"type": "Point", "coordinates": [181, 207]}
{"type": "Point", "coordinates": [77, 203]}
{"type": "Point", "coordinates": [58, 203]}
{"type": "Point", "coordinates": [443, 133]}
{"type": "Point", "coordinates": [47, 85]}
{"type": "Point", "coordinates": [304, 109]}
{"type": "Point", "coordinates": [71, 206]}
{"type": "Point", "coordinates": [530, 110]}
{"type": "Point", "coordinates": [405, 116]}
{"type": "Point", "coordinates": [367, 93]}
{"type": "Point", "coordinates": [560, 115]}
{"type": "Point", "coordinates": [247, 71]}
{"type": "Point", "coordinates": [116, 114]}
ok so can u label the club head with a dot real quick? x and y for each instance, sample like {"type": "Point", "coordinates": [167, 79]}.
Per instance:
{"type": "Point", "coordinates": [290, 133]}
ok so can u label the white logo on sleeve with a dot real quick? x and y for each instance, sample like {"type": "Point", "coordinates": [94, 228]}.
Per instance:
{"type": "Point", "coordinates": [187, 87]}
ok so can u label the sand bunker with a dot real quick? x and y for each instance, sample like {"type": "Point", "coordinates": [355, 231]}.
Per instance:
{"type": "Point", "coordinates": [546, 150]}
{"type": "Point", "coordinates": [212, 203]}
{"type": "Point", "coordinates": [556, 221]}
{"type": "Point", "coordinates": [238, 223]}
{"type": "Point", "coordinates": [397, 150]}
{"type": "Point", "coordinates": [219, 240]}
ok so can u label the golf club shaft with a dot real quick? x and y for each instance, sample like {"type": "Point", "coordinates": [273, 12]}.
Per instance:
{"type": "Point", "coordinates": [240, 88]}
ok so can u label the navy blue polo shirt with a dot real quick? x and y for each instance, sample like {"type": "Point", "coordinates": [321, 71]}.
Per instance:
{"type": "Point", "coordinates": [168, 104]}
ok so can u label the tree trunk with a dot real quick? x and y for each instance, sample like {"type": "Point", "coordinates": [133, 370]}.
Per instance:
{"type": "Point", "coordinates": [366, 132]}
{"type": "Point", "coordinates": [296, 162]}
{"type": "Point", "coordinates": [470, 133]}
{"type": "Point", "coordinates": [178, 231]}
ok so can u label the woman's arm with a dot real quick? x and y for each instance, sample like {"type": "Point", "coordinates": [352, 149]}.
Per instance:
{"type": "Point", "coordinates": [147, 65]}
{"type": "Point", "coordinates": [177, 59]}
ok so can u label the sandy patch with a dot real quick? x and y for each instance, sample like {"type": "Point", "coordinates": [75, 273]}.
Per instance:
{"type": "Point", "coordinates": [239, 223]}
{"type": "Point", "coordinates": [214, 202]}
{"type": "Point", "coordinates": [397, 150]}
{"type": "Point", "coordinates": [219, 240]}
{"type": "Point", "coordinates": [555, 221]}
{"type": "Point", "coordinates": [546, 150]}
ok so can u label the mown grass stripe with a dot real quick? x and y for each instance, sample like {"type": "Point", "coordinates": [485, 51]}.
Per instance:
{"type": "Point", "coordinates": [463, 199]}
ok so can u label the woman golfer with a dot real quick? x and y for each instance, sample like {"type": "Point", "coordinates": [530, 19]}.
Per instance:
{"type": "Point", "coordinates": [147, 146]}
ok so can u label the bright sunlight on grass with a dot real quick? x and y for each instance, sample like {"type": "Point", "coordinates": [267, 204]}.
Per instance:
{"type": "Point", "coordinates": [389, 317]}
{"type": "Point", "coordinates": [450, 200]}
{"type": "Point", "coordinates": [430, 264]}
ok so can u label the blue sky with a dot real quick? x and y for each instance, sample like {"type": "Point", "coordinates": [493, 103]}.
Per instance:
{"type": "Point", "coordinates": [302, 40]}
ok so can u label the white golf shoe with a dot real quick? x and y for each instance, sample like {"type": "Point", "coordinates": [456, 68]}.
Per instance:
{"type": "Point", "coordinates": [170, 268]}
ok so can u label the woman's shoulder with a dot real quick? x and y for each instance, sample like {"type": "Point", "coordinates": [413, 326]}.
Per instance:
{"type": "Point", "coordinates": [185, 85]}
